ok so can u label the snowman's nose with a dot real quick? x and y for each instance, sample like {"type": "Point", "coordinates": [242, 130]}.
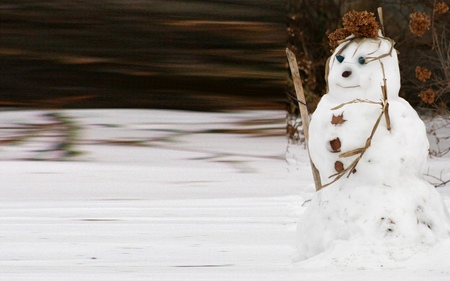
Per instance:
{"type": "Point", "coordinates": [346, 73]}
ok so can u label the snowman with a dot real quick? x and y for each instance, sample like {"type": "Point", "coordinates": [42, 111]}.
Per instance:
{"type": "Point", "coordinates": [370, 147]}
{"type": "Point", "coordinates": [347, 114]}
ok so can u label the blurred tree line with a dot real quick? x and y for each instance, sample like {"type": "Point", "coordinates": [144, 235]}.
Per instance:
{"type": "Point", "coordinates": [198, 54]}
{"type": "Point", "coordinates": [181, 54]}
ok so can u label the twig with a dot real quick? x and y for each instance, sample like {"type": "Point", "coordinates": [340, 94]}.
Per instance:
{"type": "Point", "coordinates": [380, 16]}
{"type": "Point", "coordinates": [296, 99]}
{"type": "Point", "coordinates": [443, 183]}
{"type": "Point", "coordinates": [385, 99]}
{"type": "Point", "coordinates": [356, 101]}
{"type": "Point", "coordinates": [303, 110]}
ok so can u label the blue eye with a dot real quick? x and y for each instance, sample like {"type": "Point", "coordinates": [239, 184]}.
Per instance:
{"type": "Point", "coordinates": [340, 58]}
{"type": "Point", "coordinates": [361, 60]}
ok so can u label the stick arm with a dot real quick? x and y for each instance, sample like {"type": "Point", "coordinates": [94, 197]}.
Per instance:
{"type": "Point", "coordinates": [303, 111]}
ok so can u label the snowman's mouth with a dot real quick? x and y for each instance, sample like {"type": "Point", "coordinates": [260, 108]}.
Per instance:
{"type": "Point", "coordinates": [346, 87]}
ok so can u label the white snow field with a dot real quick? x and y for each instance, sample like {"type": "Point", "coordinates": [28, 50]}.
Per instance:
{"type": "Point", "coordinates": [170, 195]}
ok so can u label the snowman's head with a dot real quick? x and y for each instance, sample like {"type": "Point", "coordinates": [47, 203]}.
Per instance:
{"type": "Point", "coordinates": [355, 70]}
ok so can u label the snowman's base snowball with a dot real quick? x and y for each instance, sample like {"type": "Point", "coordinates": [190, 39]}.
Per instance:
{"type": "Point", "coordinates": [373, 222]}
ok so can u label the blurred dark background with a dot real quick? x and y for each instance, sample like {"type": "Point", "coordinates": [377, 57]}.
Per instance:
{"type": "Point", "coordinates": [177, 54]}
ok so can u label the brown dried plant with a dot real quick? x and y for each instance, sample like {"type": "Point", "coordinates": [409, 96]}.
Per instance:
{"type": "Point", "coordinates": [428, 96]}
{"type": "Point", "coordinates": [441, 8]}
{"type": "Point", "coordinates": [422, 73]}
{"type": "Point", "coordinates": [360, 24]}
{"type": "Point", "coordinates": [419, 23]}
{"type": "Point", "coordinates": [436, 84]}
{"type": "Point", "coordinates": [336, 37]}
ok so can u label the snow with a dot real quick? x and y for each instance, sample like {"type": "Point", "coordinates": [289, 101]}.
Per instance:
{"type": "Point", "coordinates": [173, 195]}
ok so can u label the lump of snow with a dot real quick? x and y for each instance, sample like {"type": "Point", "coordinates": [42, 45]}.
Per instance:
{"type": "Point", "coordinates": [385, 219]}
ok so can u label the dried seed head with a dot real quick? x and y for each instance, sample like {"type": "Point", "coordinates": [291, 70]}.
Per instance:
{"type": "Point", "coordinates": [422, 73]}
{"type": "Point", "coordinates": [441, 8]}
{"type": "Point", "coordinates": [419, 23]}
{"type": "Point", "coordinates": [428, 96]}
{"type": "Point", "coordinates": [337, 36]}
{"type": "Point", "coordinates": [361, 24]}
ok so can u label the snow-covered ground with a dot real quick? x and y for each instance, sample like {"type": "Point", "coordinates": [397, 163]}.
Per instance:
{"type": "Point", "coordinates": [167, 195]}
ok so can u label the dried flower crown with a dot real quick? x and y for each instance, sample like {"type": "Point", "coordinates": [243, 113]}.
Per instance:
{"type": "Point", "coordinates": [360, 24]}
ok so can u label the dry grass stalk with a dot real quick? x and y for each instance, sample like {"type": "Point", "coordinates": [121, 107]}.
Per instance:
{"type": "Point", "coordinates": [351, 153]}
{"type": "Point", "coordinates": [356, 101]}
{"type": "Point", "coordinates": [371, 59]}
{"type": "Point", "coordinates": [380, 16]}
{"type": "Point", "coordinates": [303, 110]}
{"type": "Point", "coordinates": [385, 99]}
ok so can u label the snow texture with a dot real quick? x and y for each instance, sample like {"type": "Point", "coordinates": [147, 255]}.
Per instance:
{"type": "Point", "coordinates": [384, 211]}
{"type": "Point", "coordinates": [173, 195]}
